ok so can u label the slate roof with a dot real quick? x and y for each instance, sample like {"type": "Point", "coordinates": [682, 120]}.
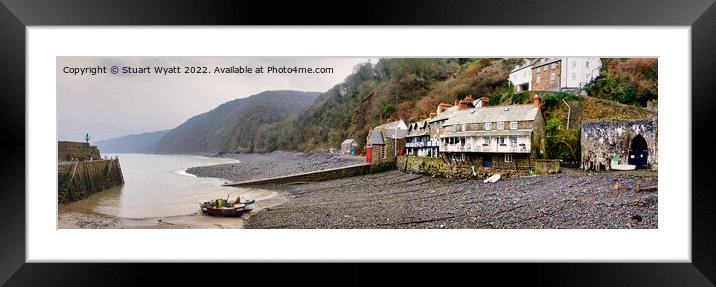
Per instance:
{"type": "Point", "coordinates": [389, 130]}
{"type": "Point", "coordinates": [376, 136]}
{"type": "Point", "coordinates": [447, 113]}
{"type": "Point", "coordinates": [348, 141]}
{"type": "Point", "coordinates": [494, 114]}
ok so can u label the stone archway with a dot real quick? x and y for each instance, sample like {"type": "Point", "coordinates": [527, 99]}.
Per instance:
{"type": "Point", "coordinates": [638, 152]}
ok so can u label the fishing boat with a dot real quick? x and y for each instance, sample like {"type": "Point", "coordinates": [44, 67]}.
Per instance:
{"type": "Point", "coordinates": [224, 207]}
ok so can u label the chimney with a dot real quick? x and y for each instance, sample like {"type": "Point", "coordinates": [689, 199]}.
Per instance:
{"type": "Point", "coordinates": [442, 107]}
{"type": "Point", "coordinates": [485, 101]}
{"type": "Point", "coordinates": [433, 114]}
{"type": "Point", "coordinates": [469, 99]}
{"type": "Point", "coordinates": [538, 102]}
{"type": "Point", "coordinates": [463, 105]}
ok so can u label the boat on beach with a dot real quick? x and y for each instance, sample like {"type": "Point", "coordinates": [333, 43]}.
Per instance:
{"type": "Point", "coordinates": [224, 207]}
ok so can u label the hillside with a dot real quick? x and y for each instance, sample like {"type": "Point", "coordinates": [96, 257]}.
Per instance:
{"type": "Point", "coordinates": [410, 89]}
{"type": "Point", "coordinates": [392, 88]}
{"type": "Point", "coordinates": [232, 126]}
{"type": "Point", "coordinates": [138, 143]}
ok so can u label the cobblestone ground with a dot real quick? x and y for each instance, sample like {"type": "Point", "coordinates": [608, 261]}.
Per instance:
{"type": "Point", "coordinates": [400, 200]}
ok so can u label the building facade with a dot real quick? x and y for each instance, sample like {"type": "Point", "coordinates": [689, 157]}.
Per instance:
{"type": "Point", "coordinates": [499, 137]}
{"type": "Point", "coordinates": [418, 141]}
{"type": "Point", "coordinates": [521, 77]}
{"type": "Point", "coordinates": [559, 74]}
{"type": "Point", "coordinates": [387, 141]}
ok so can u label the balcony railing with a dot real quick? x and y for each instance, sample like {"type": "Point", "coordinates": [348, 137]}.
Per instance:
{"type": "Point", "coordinates": [482, 148]}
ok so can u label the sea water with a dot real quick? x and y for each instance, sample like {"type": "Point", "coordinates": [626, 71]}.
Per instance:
{"type": "Point", "coordinates": [159, 186]}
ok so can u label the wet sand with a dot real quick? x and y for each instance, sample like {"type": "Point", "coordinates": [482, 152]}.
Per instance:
{"type": "Point", "coordinates": [72, 218]}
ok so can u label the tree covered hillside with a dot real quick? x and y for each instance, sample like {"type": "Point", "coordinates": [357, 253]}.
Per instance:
{"type": "Point", "coordinates": [409, 89]}
{"type": "Point", "coordinates": [232, 126]}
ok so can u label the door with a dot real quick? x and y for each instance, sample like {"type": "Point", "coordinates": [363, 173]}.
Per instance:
{"type": "Point", "coordinates": [638, 152]}
{"type": "Point", "coordinates": [487, 161]}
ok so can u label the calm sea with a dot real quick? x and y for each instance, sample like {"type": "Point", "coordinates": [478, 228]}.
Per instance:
{"type": "Point", "coordinates": [158, 186]}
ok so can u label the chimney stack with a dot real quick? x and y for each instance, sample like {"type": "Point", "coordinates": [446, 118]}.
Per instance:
{"type": "Point", "coordinates": [433, 114]}
{"type": "Point", "coordinates": [485, 101]}
{"type": "Point", "coordinates": [538, 102]}
{"type": "Point", "coordinates": [469, 99]}
{"type": "Point", "coordinates": [442, 107]}
{"type": "Point", "coordinates": [463, 105]}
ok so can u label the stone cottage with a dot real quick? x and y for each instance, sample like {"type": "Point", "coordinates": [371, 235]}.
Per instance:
{"type": "Point", "coordinates": [385, 141]}
{"type": "Point", "coordinates": [506, 138]}
{"type": "Point", "coordinates": [632, 142]}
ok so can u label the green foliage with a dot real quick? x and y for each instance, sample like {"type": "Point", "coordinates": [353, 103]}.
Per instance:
{"type": "Point", "coordinates": [632, 81]}
{"type": "Point", "coordinates": [552, 125]}
{"type": "Point", "coordinates": [550, 100]}
{"type": "Point", "coordinates": [388, 110]}
{"type": "Point", "coordinates": [564, 144]}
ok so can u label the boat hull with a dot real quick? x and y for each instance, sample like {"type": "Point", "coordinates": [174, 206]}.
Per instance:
{"type": "Point", "coordinates": [224, 212]}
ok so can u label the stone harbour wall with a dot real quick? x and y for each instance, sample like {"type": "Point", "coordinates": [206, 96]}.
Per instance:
{"type": "Point", "coordinates": [604, 139]}
{"type": "Point", "coordinates": [321, 175]}
{"type": "Point", "coordinates": [80, 179]}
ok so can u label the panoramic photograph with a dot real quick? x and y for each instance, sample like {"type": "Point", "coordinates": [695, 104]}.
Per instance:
{"type": "Point", "coordinates": [357, 143]}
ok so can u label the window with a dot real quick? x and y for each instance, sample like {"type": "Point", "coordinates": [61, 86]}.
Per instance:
{"type": "Point", "coordinates": [574, 76]}
{"type": "Point", "coordinates": [552, 77]}
{"type": "Point", "coordinates": [464, 127]}
{"type": "Point", "coordinates": [545, 67]}
{"type": "Point", "coordinates": [382, 151]}
{"type": "Point", "coordinates": [538, 69]}
{"type": "Point", "coordinates": [501, 141]}
{"type": "Point", "coordinates": [587, 64]}
{"type": "Point", "coordinates": [488, 126]}
{"type": "Point", "coordinates": [487, 140]}
{"type": "Point", "coordinates": [513, 125]}
{"type": "Point", "coordinates": [539, 79]}
{"type": "Point", "coordinates": [513, 141]}
{"type": "Point", "coordinates": [574, 64]}
{"type": "Point", "coordinates": [553, 66]}
{"type": "Point", "coordinates": [508, 158]}
{"type": "Point", "coordinates": [500, 125]}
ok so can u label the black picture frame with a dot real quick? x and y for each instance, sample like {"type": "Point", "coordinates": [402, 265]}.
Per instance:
{"type": "Point", "coordinates": [16, 15]}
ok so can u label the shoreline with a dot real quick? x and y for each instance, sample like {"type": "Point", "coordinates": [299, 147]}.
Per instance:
{"type": "Point", "coordinates": [86, 219]}
{"type": "Point", "coordinates": [396, 200]}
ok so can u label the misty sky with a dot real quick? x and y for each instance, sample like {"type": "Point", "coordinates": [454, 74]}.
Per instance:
{"type": "Point", "coordinates": [107, 105]}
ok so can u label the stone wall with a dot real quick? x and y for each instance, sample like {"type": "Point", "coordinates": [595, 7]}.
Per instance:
{"type": "Point", "coordinates": [68, 151]}
{"type": "Point", "coordinates": [320, 175]}
{"type": "Point", "coordinates": [444, 167]}
{"type": "Point", "coordinates": [604, 139]}
{"type": "Point", "coordinates": [80, 179]}
{"type": "Point", "coordinates": [546, 166]}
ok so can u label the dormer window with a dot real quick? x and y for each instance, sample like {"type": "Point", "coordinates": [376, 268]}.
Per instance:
{"type": "Point", "coordinates": [488, 126]}
{"type": "Point", "coordinates": [513, 125]}
{"type": "Point", "coordinates": [500, 125]}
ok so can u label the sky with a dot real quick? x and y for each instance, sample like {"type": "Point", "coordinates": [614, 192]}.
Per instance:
{"type": "Point", "coordinates": [112, 105]}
